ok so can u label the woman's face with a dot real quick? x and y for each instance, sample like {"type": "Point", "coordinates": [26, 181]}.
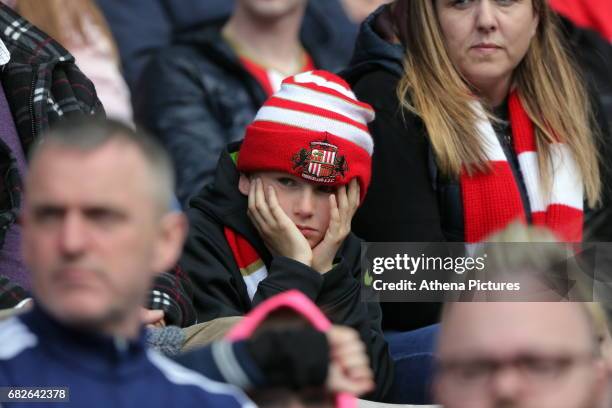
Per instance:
{"type": "Point", "coordinates": [487, 39]}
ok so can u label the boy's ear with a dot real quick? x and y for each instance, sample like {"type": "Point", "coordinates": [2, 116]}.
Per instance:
{"type": "Point", "coordinates": [244, 184]}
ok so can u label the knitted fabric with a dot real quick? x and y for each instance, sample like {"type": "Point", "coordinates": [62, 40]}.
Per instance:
{"type": "Point", "coordinates": [252, 267]}
{"type": "Point", "coordinates": [314, 128]}
{"type": "Point", "coordinates": [167, 340]}
{"type": "Point", "coordinates": [491, 200]}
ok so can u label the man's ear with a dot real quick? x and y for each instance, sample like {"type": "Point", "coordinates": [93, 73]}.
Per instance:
{"type": "Point", "coordinates": [244, 184]}
{"type": "Point", "coordinates": [170, 240]}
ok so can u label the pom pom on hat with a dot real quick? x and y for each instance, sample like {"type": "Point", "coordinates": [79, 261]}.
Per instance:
{"type": "Point", "coordinates": [314, 128]}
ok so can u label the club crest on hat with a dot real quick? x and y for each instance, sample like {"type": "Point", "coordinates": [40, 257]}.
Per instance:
{"type": "Point", "coordinates": [320, 162]}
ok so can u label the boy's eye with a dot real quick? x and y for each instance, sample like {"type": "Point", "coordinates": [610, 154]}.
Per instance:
{"type": "Point", "coordinates": [286, 181]}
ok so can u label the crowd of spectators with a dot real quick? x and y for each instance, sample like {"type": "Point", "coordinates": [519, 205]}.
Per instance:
{"type": "Point", "coordinates": [186, 187]}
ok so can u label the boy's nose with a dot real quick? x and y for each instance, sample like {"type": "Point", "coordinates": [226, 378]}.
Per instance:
{"type": "Point", "coordinates": [304, 206]}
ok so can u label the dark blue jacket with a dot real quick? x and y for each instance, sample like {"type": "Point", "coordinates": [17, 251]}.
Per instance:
{"type": "Point", "coordinates": [99, 371]}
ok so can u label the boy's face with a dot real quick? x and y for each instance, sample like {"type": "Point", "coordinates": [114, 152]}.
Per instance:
{"type": "Point", "coordinates": [306, 204]}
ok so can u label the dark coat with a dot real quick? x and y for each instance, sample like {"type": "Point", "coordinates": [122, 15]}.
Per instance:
{"type": "Point", "coordinates": [408, 199]}
{"type": "Point", "coordinates": [196, 97]}
{"type": "Point", "coordinates": [219, 289]}
{"type": "Point", "coordinates": [42, 86]}
{"type": "Point", "coordinates": [99, 370]}
{"type": "Point", "coordinates": [595, 55]}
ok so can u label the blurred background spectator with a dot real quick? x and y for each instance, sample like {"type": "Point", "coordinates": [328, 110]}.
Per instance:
{"type": "Point", "coordinates": [594, 56]}
{"type": "Point", "coordinates": [358, 10]}
{"type": "Point", "coordinates": [80, 27]}
{"type": "Point", "coordinates": [514, 354]}
{"type": "Point", "coordinates": [141, 27]}
{"type": "Point", "coordinates": [593, 14]}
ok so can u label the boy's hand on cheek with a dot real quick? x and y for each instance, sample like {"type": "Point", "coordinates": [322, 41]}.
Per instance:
{"type": "Point", "coordinates": [278, 232]}
{"type": "Point", "coordinates": [342, 209]}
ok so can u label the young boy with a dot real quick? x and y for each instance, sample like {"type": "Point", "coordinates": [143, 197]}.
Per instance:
{"type": "Point", "coordinates": [278, 214]}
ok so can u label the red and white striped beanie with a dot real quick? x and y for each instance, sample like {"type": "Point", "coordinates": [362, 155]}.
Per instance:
{"type": "Point", "coordinates": [313, 127]}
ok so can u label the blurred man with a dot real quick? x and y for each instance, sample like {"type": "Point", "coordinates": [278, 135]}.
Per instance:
{"type": "Point", "coordinates": [536, 355]}
{"type": "Point", "coordinates": [97, 229]}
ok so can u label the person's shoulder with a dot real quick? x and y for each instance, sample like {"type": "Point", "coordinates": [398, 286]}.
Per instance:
{"type": "Point", "coordinates": [192, 386]}
{"type": "Point", "coordinates": [378, 76]}
{"type": "Point", "coordinates": [204, 66]}
{"type": "Point", "coordinates": [178, 55]}
{"type": "Point", "coordinates": [18, 341]}
{"type": "Point", "coordinates": [378, 88]}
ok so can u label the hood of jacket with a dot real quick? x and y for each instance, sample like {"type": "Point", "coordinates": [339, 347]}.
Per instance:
{"type": "Point", "coordinates": [373, 51]}
{"type": "Point", "coordinates": [223, 202]}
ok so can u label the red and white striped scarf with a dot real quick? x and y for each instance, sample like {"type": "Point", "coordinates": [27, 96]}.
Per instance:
{"type": "Point", "coordinates": [252, 267]}
{"type": "Point", "coordinates": [492, 200]}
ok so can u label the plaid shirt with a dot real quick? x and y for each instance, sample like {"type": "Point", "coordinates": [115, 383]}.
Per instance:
{"type": "Point", "coordinates": [11, 294]}
{"type": "Point", "coordinates": [172, 293]}
{"type": "Point", "coordinates": [42, 86]}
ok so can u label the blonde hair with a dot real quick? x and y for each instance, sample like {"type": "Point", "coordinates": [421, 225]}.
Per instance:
{"type": "Point", "coordinates": [547, 83]}
{"type": "Point", "coordinates": [62, 18]}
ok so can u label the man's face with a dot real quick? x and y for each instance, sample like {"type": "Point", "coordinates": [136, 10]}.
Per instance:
{"type": "Point", "coordinates": [528, 355]}
{"type": "Point", "coordinates": [306, 204]}
{"type": "Point", "coordinates": [271, 9]}
{"type": "Point", "coordinates": [93, 233]}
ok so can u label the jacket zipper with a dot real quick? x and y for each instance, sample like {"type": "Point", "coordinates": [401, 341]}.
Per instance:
{"type": "Point", "coordinates": [32, 103]}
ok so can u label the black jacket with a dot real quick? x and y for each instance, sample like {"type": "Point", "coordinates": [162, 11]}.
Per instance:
{"type": "Point", "coordinates": [196, 97]}
{"type": "Point", "coordinates": [219, 289]}
{"type": "Point", "coordinates": [408, 199]}
{"type": "Point", "coordinates": [595, 56]}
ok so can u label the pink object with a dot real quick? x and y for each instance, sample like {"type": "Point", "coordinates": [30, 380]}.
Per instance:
{"type": "Point", "coordinates": [301, 305]}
